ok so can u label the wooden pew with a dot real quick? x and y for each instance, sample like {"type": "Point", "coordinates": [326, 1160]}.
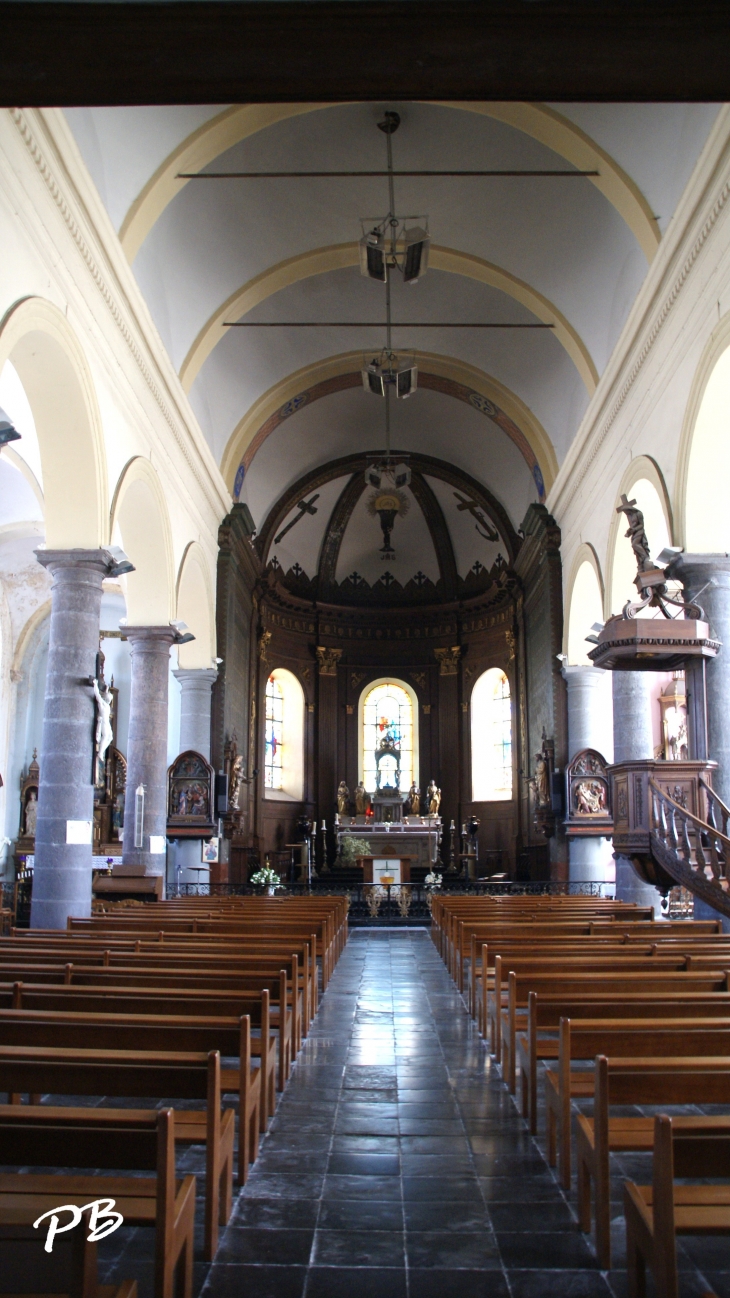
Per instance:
{"type": "Point", "coordinates": [684, 1148]}
{"type": "Point", "coordinates": [168, 1033]}
{"type": "Point", "coordinates": [34, 1136]}
{"type": "Point", "coordinates": [616, 982]}
{"type": "Point", "coordinates": [70, 1272]}
{"type": "Point", "coordinates": [165, 991]}
{"type": "Point", "coordinates": [541, 1041]}
{"type": "Point", "coordinates": [158, 1003]}
{"type": "Point", "coordinates": [586, 1038]}
{"type": "Point", "coordinates": [35, 1070]}
{"type": "Point", "coordinates": [203, 955]}
{"type": "Point", "coordinates": [634, 1082]}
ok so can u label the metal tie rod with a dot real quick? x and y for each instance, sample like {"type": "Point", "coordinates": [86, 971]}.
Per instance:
{"type": "Point", "coordinates": [377, 324]}
{"type": "Point", "coordinates": [345, 175]}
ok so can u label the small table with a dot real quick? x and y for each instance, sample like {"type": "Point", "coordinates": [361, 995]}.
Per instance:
{"type": "Point", "coordinates": [199, 869]}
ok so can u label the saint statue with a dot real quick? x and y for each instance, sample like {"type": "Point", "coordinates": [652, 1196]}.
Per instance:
{"type": "Point", "coordinates": [104, 733]}
{"type": "Point", "coordinates": [31, 814]}
{"type": "Point", "coordinates": [541, 780]}
{"type": "Point", "coordinates": [343, 799]}
{"type": "Point", "coordinates": [362, 799]}
{"type": "Point", "coordinates": [414, 800]}
{"type": "Point", "coordinates": [234, 784]}
{"type": "Point", "coordinates": [433, 795]}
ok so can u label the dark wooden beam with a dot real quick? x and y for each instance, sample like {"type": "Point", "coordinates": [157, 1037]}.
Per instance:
{"type": "Point", "coordinates": [238, 51]}
{"type": "Point", "coordinates": [440, 534]}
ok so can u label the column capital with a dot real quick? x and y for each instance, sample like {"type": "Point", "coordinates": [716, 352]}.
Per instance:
{"type": "Point", "coordinates": [584, 675]}
{"type": "Point", "coordinates": [103, 560]}
{"type": "Point", "coordinates": [155, 636]}
{"type": "Point", "coordinates": [196, 675]}
{"type": "Point", "coordinates": [694, 570]}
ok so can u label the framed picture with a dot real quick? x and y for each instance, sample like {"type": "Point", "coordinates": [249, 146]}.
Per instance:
{"type": "Point", "coordinates": [210, 851]}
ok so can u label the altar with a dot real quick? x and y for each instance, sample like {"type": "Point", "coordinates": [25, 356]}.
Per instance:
{"type": "Point", "coordinates": [418, 837]}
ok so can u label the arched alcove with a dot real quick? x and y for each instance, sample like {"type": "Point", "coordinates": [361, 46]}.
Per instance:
{"type": "Point", "coordinates": [644, 484]}
{"type": "Point", "coordinates": [491, 737]}
{"type": "Point", "coordinates": [388, 706]}
{"type": "Point", "coordinates": [284, 736]}
{"type": "Point", "coordinates": [195, 608]}
{"type": "Point", "coordinates": [585, 606]}
{"type": "Point", "coordinates": [706, 520]}
{"type": "Point", "coordinates": [140, 520]}
{"type": "Point", "coordinates": [48, 359]}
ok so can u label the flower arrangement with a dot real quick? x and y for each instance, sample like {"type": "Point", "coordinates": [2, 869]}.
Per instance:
{"type": "Point", "coordinates": [265, 878]}
{"type": "Point", "coordinates": [352, 847]}
{"type": "Point", "coordinates": [433, 880]}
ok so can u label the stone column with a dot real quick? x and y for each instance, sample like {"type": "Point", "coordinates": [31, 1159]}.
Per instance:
{"type": "Point", "coordinates": [147, 744]}
{"type": "Point", "coordinates": [196, 684]}
{"type": "Point", "coordinates": [632, 737]}
{"type": "Point", "coordinates": [706, 578]}
{"type": "Point", "coordinates": [590, 725]}
{"type": "Point", "coordinates": [62, 875]}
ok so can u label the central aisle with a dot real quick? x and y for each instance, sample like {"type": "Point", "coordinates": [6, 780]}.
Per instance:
{"type": "Point", "coordinates": [397, 1163]}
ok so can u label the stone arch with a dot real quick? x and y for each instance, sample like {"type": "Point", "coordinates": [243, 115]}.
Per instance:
{"type": "Point", "coordinates": [584, 600]}
{"type": "Point", "coordinates": [643, 480]}
{"type": "Point", "coordinates": [53, 369]}
{"type": "Point", "coordinates": [539, 121]}
{"type": "Point", "coordinates": [194, 600]}
{"type": "Point", "coordinates": [445, 374]}
{"type": "Point", "coordinates": [704, 452]}
{"type": "Point", "coordinates": [140, 517]}
{"type": "Point", "coordinates": [322, 261]}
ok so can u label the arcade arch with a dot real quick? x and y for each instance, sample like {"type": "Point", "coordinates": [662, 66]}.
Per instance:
{"type": "Point", "coordinates": [584, 605]}
{"type": "Point", "coordinates": [195, 608]}
{"type": "Point", "coordinates": [140, 518]}
{"type": "Point", "coordinates": [705, 463]}
{"type": "Point", "coordinates": [47, 356]}
{"type": "Point", "coordinates": [644, 483]}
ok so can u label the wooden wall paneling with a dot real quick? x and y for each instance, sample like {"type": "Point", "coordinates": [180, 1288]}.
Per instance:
{"type": "Point", "coordinates": [448, 774]}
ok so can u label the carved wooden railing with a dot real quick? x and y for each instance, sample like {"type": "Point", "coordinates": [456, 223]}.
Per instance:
{"type": "Point", "coordinates": [718, 815]}
{"type": "Point", "coordinates": [694, 852]}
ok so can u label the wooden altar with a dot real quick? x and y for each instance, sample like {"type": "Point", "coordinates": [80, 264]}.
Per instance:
{"type": "Point", "coordinates": [374, 867]}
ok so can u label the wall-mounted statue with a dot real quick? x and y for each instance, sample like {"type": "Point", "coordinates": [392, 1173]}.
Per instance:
{"type": "Point", "coordinates": [433, 796]}
{"type": "Point", "coordinates": [343, 799]}
{"type": "Point", "coordinates": [31, 814]}
{"type": "Point", "coordinates": [541, 780]}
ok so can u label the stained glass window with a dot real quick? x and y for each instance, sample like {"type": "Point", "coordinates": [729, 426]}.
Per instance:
{"type": "Point", "coordinates": [387, 713]}
{"type": "Point", "coordinates": [273, 761]}
{"type": "Point", "coordinates": [491, 738]}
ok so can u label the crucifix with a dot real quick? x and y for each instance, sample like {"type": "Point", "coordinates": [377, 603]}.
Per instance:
{"type": "Point", "coordinates": [304, 507]}
{"type": "Point", "coordinates": [489, 533]}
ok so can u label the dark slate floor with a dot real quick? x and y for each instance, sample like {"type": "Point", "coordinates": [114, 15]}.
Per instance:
{"type": "Point", "coordinates": [398, 1167]}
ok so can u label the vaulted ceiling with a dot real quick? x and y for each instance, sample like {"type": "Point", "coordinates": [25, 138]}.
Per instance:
{"type": "Point", "coordinates": [502, 405]}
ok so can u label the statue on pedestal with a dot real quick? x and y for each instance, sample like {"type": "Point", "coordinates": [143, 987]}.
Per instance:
{"type": "Point", "coordinates": [433, 796]}
{"type": "Point", "coordinates": [413, 802]}
{"type": "Point", "coordinates": [31, 814]}
{"type": "Point", "coordinates": [343, 799]}
{"type": "Point", "coordinates": [362, 799]}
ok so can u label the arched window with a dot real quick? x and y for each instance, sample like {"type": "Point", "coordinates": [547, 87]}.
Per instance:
{"type": "Point", "coordinates": [387, 712]}
{"type": "Point", "coordinates": [491, 738]}
{"type": "Point", "coordinates": [284, 736]}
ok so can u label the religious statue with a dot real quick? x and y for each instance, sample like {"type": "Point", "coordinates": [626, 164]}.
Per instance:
{"type": "Point", "coordinates": [414, 800]}
{"type": "Point", "coordinates": [104, 733]}
{"type": "Point", "coordinates": [433, 795]}
{"type": "Point", "coordinates": [362, 799]}
{"type": "Point", "coordinates": [541, 780]}
{"type": "Point", "coordinates": [343, 799]}
{"type": "Point", "coordinates": [31, 814]}
{"type": "Point", "coordinates": [234, 783]}
{"type": "Point", "coordinates": [636, 534]}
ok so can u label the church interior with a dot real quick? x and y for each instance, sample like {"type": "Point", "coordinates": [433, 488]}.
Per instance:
{"type": "Point", "coordinates": [365, 697]}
